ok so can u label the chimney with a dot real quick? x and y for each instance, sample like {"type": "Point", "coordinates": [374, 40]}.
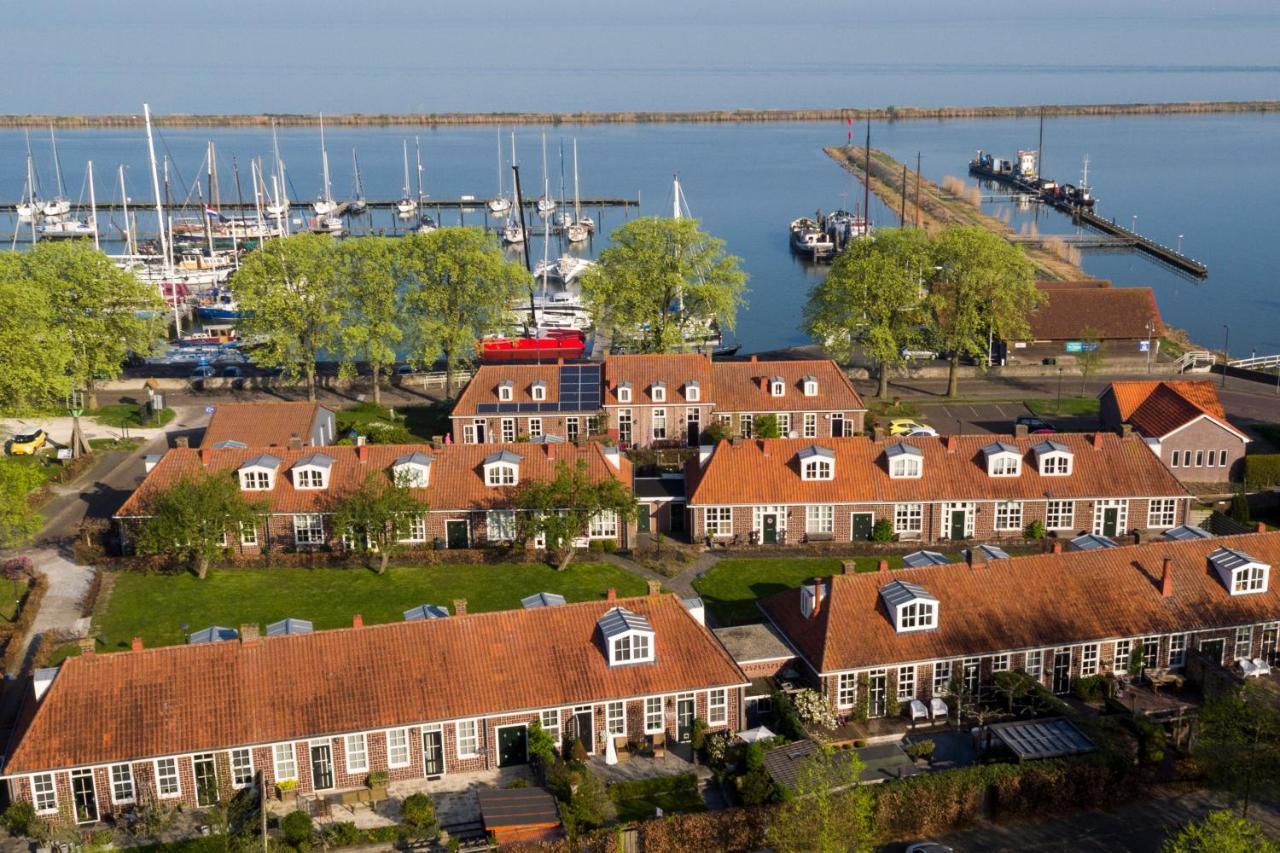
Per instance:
{"type": "Point", "coordinates": [551, 450]}
{"type": "Point", "coordinates": [1262, 527]}
{"type": "Point", "coordinates": [848, 567]}
{"type": "Point", "coordinates": [182, 441]}
{"type": "Point", "coordinates": [249, 634]}
{"type": "Point", "coordinates": [1126, 430]}
{"type": "Point", "coordinates": [206, 454]}
{"type": "Point", "coordinates": [1057, 546]}
{"type": "Point", "coordinates": [459, 607]}
{"type": "Point", "coordinates": [817, 598]}
{"type": "Point", "coordinates": [977, 558]}
{"type": "Point", "coordinates": [357, 621]}
{"type": "Point", "coordinates": [1166, 579]}
{"type": "Point", "coordinates": [87, 645]}
{"type": "Point", "coordinates": [361, 441]}
{"type": "Point", "coordinates": [655, 587]}
{"type": "Point", "coordinates": [952, 444]}
{"type": "Point", "coordinates": [295, 442]}
{"type": "Point", "coordinates": [560, 361]}
{"type": "Point", "coordinates": [611, 594]}
{"type": "Point", "coordinates": [877, 433]}
{"type": "Point", "coordinates": [1020, 431]}
{"type": "Point", "coordinates": [362, 452]}
{"type": "Point", "coordinates": [753, 359]}
{"type": "Point", "coordinates": [1097, 440]}
{"type": "Point", "coordinates": [137, 644]}
{"type": "Point", "coordinates": [883, 568]}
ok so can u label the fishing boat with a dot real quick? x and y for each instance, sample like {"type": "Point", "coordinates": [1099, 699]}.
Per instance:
{"type": "Point", "coordinates": [539, 346]}
{"type": "Point", "coordinates": [221, 305]}
{"type": "Point", "coordinates": [407, 204]}
{"type": "Point", "coordinates": [499, 205]}
{"type": "Point", "coordinates": [807, 238]}
{"type": "Point", "coordinates": [842, 226]}
{"type": "Point", "coordinates": [325, 205]}
{"type": "Point", "coordinates": [578, 228]}
{"type": "Point", "coordinates": [328, 224]}
{"type": "Point", "coordinates": [426, 225]}
{"type": "Point", "coordinates": [358, 204]}
{"type": "Point", "coordinates": [211, 336]}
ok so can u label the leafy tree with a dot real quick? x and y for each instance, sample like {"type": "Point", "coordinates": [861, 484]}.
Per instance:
{"type": "Point", "coordinates": [460, 287]}
{"type": "Point", "coordinates": [1238, 743]}
{"type": "Point", "coordinates": [102, 312]}
{"type": "Point", "coordinates": [375, 517]}
{"type": "Point", "coordinates": [1220, 832]}
{"type": "Point", "coordinates": [1239, 509]}
{"type": "Point", "coordinates": [825, 810]}
{"type": "Point", "coordinates": [1089, 359]}
{"type": "Point", "coordinates": [419, 812]}
{"type": "Point", "coordinates": [296, 826]}
{"type": "Point", "coordinates": [589, 806]}
{"type": "Point", "coordinates": [667, 279]}
{"type": "Point", "coordinates": [985, 289]}
{"type": "Point", "coordinates": [35, 350]}
{"type": "Point", "coordinates": [369, 290]}
{"type": "Point", "coordinates": [561, 509]}
{"type": "Point", "coordinates": [193, 519]}
{"type": "Point", "coordinates": [765, 426]}
{"type": "Point", "coordinates": [872, 299]}
{"type": "Point", "coordinates": [19, 523]}
{"type": "Point", "coordinates": [288, 291]}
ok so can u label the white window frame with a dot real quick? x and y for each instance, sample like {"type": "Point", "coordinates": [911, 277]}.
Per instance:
{"type": "Point", "coordinates": [846, 689]}
{"type": "Point", "coordinates": [658, 424]}
{"type": "Point", "coordinates": [1090, 654]}
{"type": "Point", "coordinates": [1177, 651]}
{"type": "Point", "coordinates": [1059, 515]}
{"type": "Point", "coordinates": [415, 529]}
{"type": "Point", "coordinates": [654, 716]}
{"type": "Point", "coordinates": [1000, 663]}
{"type": "Point", "coordinates": [44, 793]}
{"type": "Point", "coordinates": [1008, 515]}
{"type": "Point", "coordinates": [550, 722]}
{"type": "Point", "coordinates": [746, 425]}
{"type": "Point", "coordinates": [1004, 465]}
{"type": "Point", "coordinates": [1162, 513]}
{"type": "Point", "coordinates": [917, 616]}
{"type": "Point", "coordinates": [1250, 578]}
{"type": "Point", "coordinates": [626, 426]}
{"type": "Point", "coordinates": [538, 392]}
{"type": "Point", "coordinates": [1035, 670]}
{"type": "Point", "coordinates": [818, 468]}
{"type": "Point", "coordinates": [603, 525]}
{"type": "Point", "coordinates": [284, 761]}
{"type": "Point", "coordinates": [906, 467]}
{"type": "Point", "coordinates": [500, 525]}
{"type": "Point", "coordinates": [777, 388]}
{"type": "Point", "coordinates": [467, 732]}
{"type": "Point", "coordinates": [718, 707]}
{"type": "Point", "coordinates": [507, 429]}
{"type": "Point", "coordinates": [309, 478]}
{"type": "Point", "coordinates": [969, 508]}
{"type": "Point", "coordinates": [1055, 464]}
{"type": "Point", "coordinates": [1243, 637]}
{"type": "Point", "coordinates": [308, 528]}
{"type": "Point", "coordinates": [784, 424]}
{"type": "Point", "coordinates": [658, 392]}
{"type": "Point", "coordinates": [394, 749]}
{"type": "Point", "coordinates": [535, 427]}
{"type": "Point", "coordinates": [941, 677]}
{"type": "Point", "coordinates": [506, 392]}
{"type": "Point", "coordinates": [717, 520]}
{"type": "Point", "coordinates": [615, 719]}
{"type": "Point", "coordinates": [906, 681]}
{"type": "Point", "coordinates": [810, 388]}
{"type": "Point", "coordinates": [908, 518]}
{"type": "Point", "coordinates": [633, 647]}
{"type": "Point", "coordinates": [356, 745]}
{"type": "Point", "coordinates": [809, 428]}
{"type": "Point", "coordinates": [256, 480]}
{"type": "Point", "coordinates": [123, 789]}
{"type": "Point", "coordinates": [468, 433]}
{"type": "Point", "coordinates": [693, 393]}
{"type": "Point", "coordinates": [624, 393]}
{"type": "Point", "coordinates": [172, 776]}
{"type": "Point", "coordinates": [248, 534]}
{"type": "Point", "coordinates": [236, 760]}
{"type": "Point", "coordinates": [1100, 515]}
{"type": "Point", "coordinates": [1120, 655]}
{"type": "Point", "coordinates": [498, 474]}
{"type": "Point", "coordinates": [820, 519]}
{"type": "Point", "coordinates": [1222, 459]}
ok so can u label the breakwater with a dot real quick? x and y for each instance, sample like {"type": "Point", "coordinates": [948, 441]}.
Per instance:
{"type": "Point", "coordinates": [746, 116]}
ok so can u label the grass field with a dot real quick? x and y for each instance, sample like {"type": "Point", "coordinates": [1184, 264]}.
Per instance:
{"type": "Point", "coordinates": [1071, 406]}
{"type": "Point", "coordinates": [731, 588]}
{"type": "Point", "coordinates": [120, 415]}
{"type": "Point", "coordinates": [407, 424]}
{"type": "Point", "coordinates": [155, 607]}
{"type": "Point", "coordinates": [638, 800]}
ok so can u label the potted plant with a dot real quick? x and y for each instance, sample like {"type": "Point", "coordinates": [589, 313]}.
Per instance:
{"type": "Point", "coordinates": [287, 791]}
{"type": "Point", "coordinates": [377, 784]}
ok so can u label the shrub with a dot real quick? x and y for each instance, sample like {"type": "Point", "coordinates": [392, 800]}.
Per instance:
{"type": "Point", "coordinates": [287, 784]}
{"type": "Point", "coordinates": [376, 779]}
{"type": "Point", "coordinates": [814, 708]}
{"type": "Point", "coordinates": [756, 787]}
{"type": "Point", "coordinates": [716, 433]}
{"type": "Point", "coordinates": [920, 749]}
{"type": "Point", "coordinates": [516, 783]}
{"type": "Point", "coordinates": [343, 834]}
{"type": "Point", "coordinates": [717, 749]}
{"type": "Point", "coordinates": [1035, 530]}
{"type": "Point", "coordinates": [578, 750]}
{"type": "Point", "coordinates": [542, 746]}
{"type": "Point", "coordinates": [1090, 688]}
{"type": "Point", "coordinates": [1239, 509]}
{"type": "Point", "coordinates": [418, 811]}
{"type": "Point", "coordinates": [786, 722]}
{"type": "Point", "coordinates": [698, 738]}
{"type": "Point", "coordinates": [296, 827]}
{"type": "Point", "coordinates": [765, 426]}
{"type": "Point", "coordinates": [19, 817]}
{"type": "Point", "coordinates": [1262, 470]}
{"type": "Point", "coordinates": [589, 807]}
{"type": "Point", "coordinates": [882, 531]}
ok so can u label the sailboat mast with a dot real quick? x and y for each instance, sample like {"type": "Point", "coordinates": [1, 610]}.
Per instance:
{"type": "Point", "coordinates": [1040, 147]}
{"type": "Point", "coordinates": [355, 169]}
{"type": "Point", "coordinates": [57, 162]}
{"type": "Point", "coordinates": [577, 205]}
{"type": "Point", "coordinates": [208, 224]}
{"type": "Point", "coordinates": [324, 163]}
{"type": "Point", "coordinates": [675, 196]}
{"type": "Point", "coordinates": [31, 182]}
{"type": "Point", "coordinates": [93, 208]}
{"type": "Point", "coordinates": [417, 157]}
{"type": "Point", "coordinates": [546, 185]}
{"type": "Point", "coordinates": [866, 185]}
{"type": "Point", "coordinates": [562, 170]}
{"type": "Point", "coordinates": [164, 245]}
{"type": "Point", "coordinates": [405, 146]}
{"type": "Point", "coordinates": [500, 162]}
{"type": "Point", "coordinates": [124, 203]}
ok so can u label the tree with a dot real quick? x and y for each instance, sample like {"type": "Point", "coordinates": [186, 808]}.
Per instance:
{"type": "Point", "coordinates": [1239, 509]}
{"type": "Point", "coordinates": [375, 516]}
{"type": "Point", "coordinates": [369, 291]}
{"type": "Point", "coordinates": [984, 290]}
{"type": "Point", "coordinates": [1089, 359]}
{"type": "Point", "coordinates": [825, 809]}
{"type": "Point", "coordinates": [872, 299]}
{"type": "Point", "coordinates": [35, 350]}
{"type": "Point", "coordinates": [460, 287]}
{"type": "Point", "coordinates": [102, 312]}
{"type": "Point", "coordinates": [288, 292]}
{"type": "Point", "coordinates": [1238, 743]}
{"type": "Point", "coordinates": [765, 426]}
{"type": "Point", "coordinates": [665, 280]}
{"type": "Point", "coordinates": [1220, 832]}
{"type": "Point", "coordinates": [192, 520]}
{"type": "Point", "coordinates": [19, 523]}
{"type": "Point", "coordinates": [561, 509]}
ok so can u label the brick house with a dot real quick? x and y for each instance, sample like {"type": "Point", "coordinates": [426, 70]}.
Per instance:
{"type": "Point", "coordinates": [106, 733]}
{"type": "Point", "coordinates": [466, 489]}
{"type": "Point", "coordinates": [1184, 424]}
{"type": "Point", "coordinates": [911, 633]}
{"type": "Point", "coordinates": [270, 425]}
{"type": "Point", "coordinates": [507, 402]}
{"type": "Point", "coordinates": [780, 491]}
{"type": "Point", "coordinates": [810, 398]}
{"type": "Point", "coordinates": [1125, 320]}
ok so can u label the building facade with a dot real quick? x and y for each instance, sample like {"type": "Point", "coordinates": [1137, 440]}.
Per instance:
{"type": "Point", "coordinates": [281, 424]}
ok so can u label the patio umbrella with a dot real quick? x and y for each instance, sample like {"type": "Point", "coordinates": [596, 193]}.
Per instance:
{"type": "Point", "coordinates": [610, 752]}
{"type": "Point", "coordinates": [756, 734]}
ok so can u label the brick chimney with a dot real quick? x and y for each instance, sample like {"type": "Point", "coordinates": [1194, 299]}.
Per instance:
{"type": "Point", "coordinates": [357, 620]}
{"type": "Point", "coordinates": [877, 433]}
{"type": "Point", "coordinates": [182, 441]}
{"type": "Point", "coordinates": [817, 598]}
{"type": "Point", "coordinates": [1057, 546]}
{"type": "Point", "coordinates": [295, 442]}
{"type": "Point", "coordinates": [137, 644]}
{"type": "Point", "coordinates": [362, 453]}
{"type": "Point", "coordinates": [611, 594]}
{"type": "Point", "coordinates": [1166, 579]}
{"type": "Point", "coordinates": [206, 454]}
{"type": "Point", "coordinates": [883, 568]}
{"type": "Point", "coordinates": [952, 443]}
{"type": "Point", "coordinates": [1020, 431]}
{"type": "Point", "coordinates": [87, 645]}
{"type": "Point", "coordinates": [655, 587]}
{"type": "Point", "coordinates": [848, 567]}
{"type": "Point", "coordinates": [754, 359]}
{"type": "Point", "coordinates": [977, 559]}
{"type": "Point", "coordinates": [1126, 430]}
{"type": "Point", "coordinates": [249, 634]}
{"type": "Point", "coordinates": [551, 450]}
{"type": "Point", "coordinates": [1262, 527]}
{"type": "Point", "coordinates": [1097, 440]}
{"type": "Point", "coordinates": [459, 607]}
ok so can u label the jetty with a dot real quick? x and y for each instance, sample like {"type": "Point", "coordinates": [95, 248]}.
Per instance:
{"type": "Point", "coordinates": [1146, 245]}
{"type": "Point", "coordinates": [465, 203]}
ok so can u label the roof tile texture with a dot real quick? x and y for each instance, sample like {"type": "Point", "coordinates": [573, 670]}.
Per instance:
{"type": "Point", "coordinates": [743, 386]}
{"type": "Point", "coordinates": [260, 424]}
{"type": "Point", "coordinates": [1112, 312]}
{"type": "Point", "coordinates": [483, 387]}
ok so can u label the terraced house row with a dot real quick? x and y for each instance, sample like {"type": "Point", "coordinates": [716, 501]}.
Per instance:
{"type": "Point", "coordinates": [104, 733]}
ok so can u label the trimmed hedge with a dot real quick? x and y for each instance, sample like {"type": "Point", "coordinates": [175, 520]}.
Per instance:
{"type": "Point", "coordinates": [16, 631]}
{"type": "Point", "coordinates": [1262, 470]}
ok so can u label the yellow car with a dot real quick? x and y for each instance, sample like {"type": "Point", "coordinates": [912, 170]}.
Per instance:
{"type": "Point", "coordinates": [906, 426]}
{"type": "Point", "coordinates": [28, 443]}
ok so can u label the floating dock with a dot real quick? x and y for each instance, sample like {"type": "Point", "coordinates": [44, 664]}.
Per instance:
{"type": "Point", "coordinates": [1146, 245]}
{"type": "Point", "coordinates": [303, 206]}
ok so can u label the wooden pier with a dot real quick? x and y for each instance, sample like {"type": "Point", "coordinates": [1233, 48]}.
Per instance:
{"type": "Point", "coordinates": [1146, 245]}
{"type": "Point", "coordinates": [303, 206]}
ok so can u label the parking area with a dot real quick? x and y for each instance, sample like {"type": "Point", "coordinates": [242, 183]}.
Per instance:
{"type": "Point", "coordinates": [979, 418]}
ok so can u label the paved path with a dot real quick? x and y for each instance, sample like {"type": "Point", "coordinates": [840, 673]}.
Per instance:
{"type": "Point", "coordinates": [681, 584]}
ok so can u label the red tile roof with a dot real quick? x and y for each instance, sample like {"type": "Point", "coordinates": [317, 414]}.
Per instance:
{"type": "Point", "coordinates": [456, 480]}
{"type": "Point", "coordinates": [1157, 408]}
{"type": "Point", "coordinates": [181, 699]}
{"type": "Point", "coordinates": [483, 387]}
{"type": "Point", "coordinates": [765, 471]}
{"type": "Point", "coordinates": [742, 386]}
{"type": "Point", "coordinates": [675, 369]}
{"type": "Point", "coordinates": [1031, 602]}
{"type": "Point", "coordinates": [1113, 312]}
{"type": "Point", "coordinates": [260, 424]}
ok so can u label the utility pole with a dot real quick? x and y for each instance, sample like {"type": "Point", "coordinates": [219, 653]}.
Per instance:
{"type": "Point", "coordinates": [917, 189]}
{"type": "Point", "coordinates": [1226, 351]}
{"type": "Point", "coordinates": [902, 217]}
{"type": "Point", "coordinates": [866, 184]}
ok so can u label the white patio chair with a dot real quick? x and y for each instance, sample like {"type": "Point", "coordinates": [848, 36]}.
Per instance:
{"type": "Point", "coordinates": [1247, 668]}
{"type": "Point", "coordinates": [1262, 667]}
{"type": "Point", "coordinates": [938, 707]}
{"type": "Point", "coordinates": [918, 710]}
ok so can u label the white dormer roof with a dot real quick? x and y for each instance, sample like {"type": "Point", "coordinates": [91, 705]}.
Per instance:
{"type": "Point", "coordinates": [1048, 451]}
{"type": "Point", "coordinates": [426, 611]}
{"type": "Point", "coordinates": [1050, 446]}
{"type": "Point", "coordinates": [619, 621]}
{"type": "Point", "coordinates": [1000, 448]}
{"type": "Point", "coordinates": [893, 451]}
{"type": "Point", "coordinates": [542, 599]}
{"type": "Point", "coordinates": [263, 461]}
{"type": "Point", "coordinates": [810, 385]}
{"type": "Point", "coordinates": [316, 460]}
{"type": "Point", "coordinates": [811, 459]}
{"type": "Point", "coordinates": [987, 552]}
{"type": "Point", "coordinates": [1185, 532]}
{"type": "Point", "coordinates": [814, 451]}
{"type": "Point", "coordinates": [910, 606]}
{"type": "Point", "coordinates": [1239, 572]}
{"type": "Point", "coordinates": [229, 444]}
{"type": "Point", "coordinates": [506, 389]}
{"type": "Point", "coordinates": [412, 469]}
{"type": "Point", "coordinates": [628, 637]}
{"type": "Point", "coordinates": [1091, 542]}
{"type": "Point", "coordinates": [919, 559]}
{"type": "Point", "coordinates": [502, 457]}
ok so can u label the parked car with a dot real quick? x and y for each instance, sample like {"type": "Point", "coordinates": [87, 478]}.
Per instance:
{"type": "Point", "coordinates": [911, 354]}
{"type": "Point", "coordinates": [923, 432]}
{"type": "Point", "coordinates": [906, 426]}
{"type": "Point", "coordinates": [27, 443]}
{"type": "Point", "coordinates": [232, 371]}
{"type": "Point", "coordinates": [1035, 425]}
{"type": "Point", "coordinates": [204, 371]}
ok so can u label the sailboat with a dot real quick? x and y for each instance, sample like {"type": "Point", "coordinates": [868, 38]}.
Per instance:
{"type": "Point", "coordinates": [546, 204]}
{"type": "Point", "coordinates": [499, 204]}
{"type": "Point", "coordinates": [578, 229]}
{"type": "Point", "coordinates": [425, 223]}
{"type": "Point", "coordinates": [513, 233]}
{"type": "Point", "coordinates": [561, 218]}
{"type": "Point", "coordinates": [29, 206]}
{"type": "Point", "coordinates": [358, 205]}
{"type": "Point", "coordinates": [325, 205]}
{"type": "Point", "coordinates": [64, 227]}
{"type": "Point", "coordinates": [407, 204]}
{"type": "Point", "coordinates": [278, 207]}
{"type": "Point", "coordinates": [60, 205]}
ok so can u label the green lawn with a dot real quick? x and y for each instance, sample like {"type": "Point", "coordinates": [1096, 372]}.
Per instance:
{"type": "Point", "coordinates": [115, 443]}
{"type": "Point", "coordinates": [155, 606]}
{"type": "Point", "coordinates": [407, 424]}
{"type": "Point", "coordinates": [637, 800]}
{"type": "Point", "coordinates": [1077, 406]}
{"type": "Point", "coordinates": [120, 415]}
{"type": "Point", "coordinates": [731, 588]}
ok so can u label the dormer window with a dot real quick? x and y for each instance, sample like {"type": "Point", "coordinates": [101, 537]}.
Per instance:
{"type": "Point", "coordinates": [777, 386]}
{"type": "Point", "coordinates": [693, 391]}
{"type": "Point", "coordinates": [1003, 459]}
{"type": "Point", "coordinates": [624, 392]}
{"type": "Point", "coordinates": [910, 606]}
{"type": "Point", "coordinates": [628, 637]}
{"type": "Point", "coordinates": [412, 471]}
{"type": "Point", "coordinates": [810, 386]}
{"type": "Point", "coordinates": [658, 391]}
{"type": "Point", "coordinates": [906, 461]}
{"type": "Point", "coordinates": [1240, 573]}
{"type": "Point", "coordinates": [259, 473]}
{"type": "Point", "coordinates": [502, 469]}
{"type": "Point", "coordinates": [312, 472]}
{"type": "Point", "coordinates": [506, 391]}
{"type": "Point", "coordinates": [538, 391]}
{"type": "Point", "coordinates": [1053, 459]}
{"type": "Point", "coordinates": [817, 463]}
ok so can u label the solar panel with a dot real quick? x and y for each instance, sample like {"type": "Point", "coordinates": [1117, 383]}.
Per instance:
{"type": "Point", "coordinates": [579, 387]}
{"type": "Point", "coordinates": [486, 408]}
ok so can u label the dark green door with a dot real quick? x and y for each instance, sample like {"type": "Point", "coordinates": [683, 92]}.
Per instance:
{"type": "Point", "coordinates": [684, 720]}
{"type": "Point", "coordinates": [456, 534]}
{"type": "Point", "coordinates": [957, 523]}
{"type": "Point", "coordinates": [321, 767]}
{"type": "Point", "coordinates": [513, 746]}
{"type": "Point", "coordinates": [770, 534]}
{"type": "Point", "coordinates": [642, 518]}
{"type": "Point", "coordinates": [862, 524]}
{"type": "Point", "coordinates": [1110, 521]}
{"type": "Point", "coordinates": [433, 753]}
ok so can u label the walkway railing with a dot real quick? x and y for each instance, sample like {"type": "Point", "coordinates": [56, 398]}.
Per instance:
{"type": "Point", "coordinates": [1259, 362]}
{"type": "Point", "coordinates": [1195, 361]}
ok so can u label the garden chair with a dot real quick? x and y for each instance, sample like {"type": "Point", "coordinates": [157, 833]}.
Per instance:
{"type": "Point", "coordinates": [1247, 668]}
{"type": "Point", "coordinates": [1261, 667]}
{"type": "Point", "coordinates": [658, 744]}
{"type": "Point", "coordinates": [918, 711]}
{"type": "Point", "coordinates": [938, 708]}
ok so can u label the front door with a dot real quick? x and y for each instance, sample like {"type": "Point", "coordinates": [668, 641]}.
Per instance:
{"type": "Point", "coordinates": [513, 746]}
{"type": "Point", "coordinates": [321, 767]}
{"type": "Point", "coordinates": [479, 432]}
{"type": "Point", "coordinates": [642, 518]}
{"type": "Point", "coordinates": [684, 719]}
{"type": "Point", "coordinates": [433, 753]}
{"type": "Point", "coordinates": [1062, 671]}
{"type": "Point", "coordinates": [84, 796]}
{"type": "Point", "coordinates": [455, 533]}
{"type": "Point", "coordinates": [583, 725]}
{"type": "Point", "coordinates": [958, 519]}
{"type": "Point", "coordinates": [770, 524]}
{"type": "Point", "coordinates": [1270, 636]}
{"type": "Point", "coordinates": [837, 425]}
{"type": "Point", "coordinates": [693, 429]}
{"type": "Point", "coordinates": [206, 773]}
{"type": "Point", "coordinates": [862, 524]}
{"type": "Point", "coordinates": [1110, 521]}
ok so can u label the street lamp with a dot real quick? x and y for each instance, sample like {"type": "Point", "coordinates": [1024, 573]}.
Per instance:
{"type": "Point", "coordinates": [1059, 390]}
{"type": "Point", "coordinates": [1134, 226]}
{"type": "Point", "coordinates": [1179, 244]}
{"type": "Point", "coordinates": [1226, 339]}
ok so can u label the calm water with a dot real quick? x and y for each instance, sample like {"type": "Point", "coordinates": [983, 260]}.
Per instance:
{"type": "Point", "coordinates": [1209, 179]}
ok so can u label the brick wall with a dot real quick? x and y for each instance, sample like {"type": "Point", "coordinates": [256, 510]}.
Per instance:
{"type": "Point", "coordinates": [555, 424]}
{"type": "Point", "coordinates": [1200, 441]}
